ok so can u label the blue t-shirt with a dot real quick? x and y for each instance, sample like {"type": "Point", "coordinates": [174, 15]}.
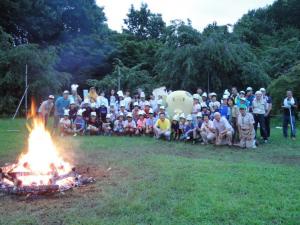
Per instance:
{"type": "Point", "coordinates": [188, 127]}
{"type": "Point", "coordinates": [60, 105]}
{"type": "Point", "coordinates": [250, 99]}
{"type": "Point", "coordinates": [79, 123]}
{"type": "Point", "coordinates": [224, 110]}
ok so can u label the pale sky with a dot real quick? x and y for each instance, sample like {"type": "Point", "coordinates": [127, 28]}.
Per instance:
{"type": "Point", "coordinates": [201, 12]}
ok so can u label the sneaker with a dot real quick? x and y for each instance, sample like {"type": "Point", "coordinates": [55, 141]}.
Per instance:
{"type": "Point", "coordinates": [293, 138]}
{"type": "Point", "coordinates": [75, 135]}
{"type": "Point", "coordinates": [266, 141]}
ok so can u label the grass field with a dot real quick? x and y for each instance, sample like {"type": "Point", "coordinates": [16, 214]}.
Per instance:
{"type": "Point", "coordinates": [156, 182]}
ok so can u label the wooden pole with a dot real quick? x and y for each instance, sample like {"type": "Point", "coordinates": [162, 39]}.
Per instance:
{"type": "Point", "coordinates": [26, 93]}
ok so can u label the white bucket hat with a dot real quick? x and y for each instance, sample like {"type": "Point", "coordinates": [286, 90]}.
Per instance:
{"type": "Point", "coordinates": [66, 112]}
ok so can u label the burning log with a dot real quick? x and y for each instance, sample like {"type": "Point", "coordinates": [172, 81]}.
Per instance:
{"type": "Point", "coordinates": [40, 170]}
{"type": "Point", "coordinates": [41, 189]}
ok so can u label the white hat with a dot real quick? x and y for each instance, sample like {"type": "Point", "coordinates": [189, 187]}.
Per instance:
{"type": "Point", "coordinates": [86, 101]}
{"type": "Point", "coordinates": [66, 92]}
{"type": "Point", "coordinates": [199, 114]}
{"type": "Point", "coordinates": [225, 96]}
{"type": "Point", "coordinates": [79, 112]}
{"type": "Point", "coordinates": [249, 89]}
{"type": "Point", "coordinates": [150, 111]}
{"type": "Point", "coordinates": [196, 96]}
{"type": "Point", "coordinates": [147, 103]}
{"type": "Point", "coordinates": [108, 116]}
{"type": "Point", "coordinates": [51, 97]}
{"type": "Point", "coordinates": [93, 114]}
{"type": "Point", "coordinates": [129, 115]}
{"type": "Point", "coordinates": [213, 94]}
{"type": "Point", "coordinates": [203, 104]}
{"type": "Point", "coordinates": [93, 105]}
{"type": "Point", "coordinates": [136, 104]}
{"type": "Point", "coordinates": [189, 117]}
{"type": "Point", "coordinates": [159, 102]}
{"type": "Point", "coordinates": [66, 112]}
{"type": "Point", "coordinates": [204, 94]}
{"type": "Point", "coordinates": [141, 112]}
{"type": "Point", "coordinates": [242, 92]}
{"type": "Point", "coordinates": [72, 101]}
{"type": "Point", "coordinates": [162, 107]}
{"type": "Point", "coordinates": [143, 95]}
{"type": "Point", "coordinates": [175, 117]}
{"type": "Point", "coordinates": [120, 94]}
{"type": "Point", "coordinates": [262, 90]}
{"type": "Point", "coordinates": [226, 92]}
{"type": "Point", "coordinates": [258, 93]}
{"type": "Point", "coordinates": [121, 114]}
{"type": "Point", "coordinates": [74, 87]}
{"type": "Point", "coordinates": [182, 115]}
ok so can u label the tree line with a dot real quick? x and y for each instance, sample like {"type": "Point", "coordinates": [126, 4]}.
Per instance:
{"type": "Point", "coordinates": [65, 41]}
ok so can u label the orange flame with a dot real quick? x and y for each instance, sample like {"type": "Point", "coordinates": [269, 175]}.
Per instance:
{"type": "Point", "coordinates": [42, 160]}
{"type": "Point", "coordinates": [33, 109]}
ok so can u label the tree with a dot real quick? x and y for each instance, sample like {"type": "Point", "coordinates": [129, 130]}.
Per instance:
{"type": "Point", "coordinates": [131, 79]}
{"type": "Point", "coordinates": [144, 24]}
{"type": "Point", "coordinates": [46, 21]}
{"type": "Point", "coordinates": [287, 81]}
{"type": "Point", "coordinates": [43, 78]}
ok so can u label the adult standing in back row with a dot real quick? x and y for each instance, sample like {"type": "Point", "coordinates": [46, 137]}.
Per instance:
{"type": "Point", "coordinates": [45, 109]}
{"type": "Point", "coordinates": [268, 100]}
{"type": "Point", "coordinates": [289, 111]}
{"type": "Point", "coordinates": [61, 104]}
{"type": "Point", "coordinates": [259, 106]}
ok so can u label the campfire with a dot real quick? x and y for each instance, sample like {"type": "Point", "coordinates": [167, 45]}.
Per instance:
{"type": "Point", "coordinates": [41, 170]}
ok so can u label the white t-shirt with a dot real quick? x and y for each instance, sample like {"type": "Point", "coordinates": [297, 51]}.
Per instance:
{"type": "Point", "coordinates": [196, 108]}
{"type": "Point", "coordinates": [101, 100]}
{"type": "Point", "coordinates": [65, 122]}
{"type": "Point", "coordinates": [205, 126]}
{"type": "Point", "coordinates": [131, 124]}
{"type": "Point", "coordinates": [222, 125]}
{"type": "Point", "coordinates": [127, 101]}
{"type": "Point", "coordinates": [259, 107]}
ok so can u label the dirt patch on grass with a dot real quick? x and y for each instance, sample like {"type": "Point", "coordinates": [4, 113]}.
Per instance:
{"type": "Point", "coordinates": [42, 205]}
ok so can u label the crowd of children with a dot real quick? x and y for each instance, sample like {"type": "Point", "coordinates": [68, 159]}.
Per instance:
{"type": "Point", "coordinates": [231, 121]}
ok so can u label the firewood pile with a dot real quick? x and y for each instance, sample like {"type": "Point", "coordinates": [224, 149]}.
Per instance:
{"type": "Point", "coordinates": [11, 181]}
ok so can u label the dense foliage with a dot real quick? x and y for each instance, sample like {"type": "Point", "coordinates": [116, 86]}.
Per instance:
{"type": "Point", "coordinates": [65, 41]}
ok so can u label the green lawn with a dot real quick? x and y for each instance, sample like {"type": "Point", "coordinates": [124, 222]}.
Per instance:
{"type": "Point", "coordinates": [156, 182]}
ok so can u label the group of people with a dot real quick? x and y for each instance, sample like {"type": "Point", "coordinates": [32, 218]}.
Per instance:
{"type": "Point", "coordinates": [233, 120]}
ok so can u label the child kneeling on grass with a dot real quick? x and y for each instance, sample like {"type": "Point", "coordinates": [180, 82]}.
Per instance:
{"type": "Point", "coordinates": [175, 132]}
{"type": "Point", "coordinates": [150, 123]}
{"type": "Point", "coordinates": [65, 124]}
{"type": "Point", "coordinates": [182, 123]}
{"type": "Point", "coordinates": [119, 125]}
{"type": "Point", "coordinates": [141, 123]}
{"type": "Point", "coordinates": [79, 123]}
{"type": "Point", "coordinates": [197, 129]}
{"type": "Point", "coordinates": [188, 129]}
{"type": "Point", "coordinates": [207, 130]}
{"type": "Point", "coordinates": [94, 125]}
{"type": "Point", "coordinates": [129, 125]}
{"type": "Point", "coordinates": [108, 126]}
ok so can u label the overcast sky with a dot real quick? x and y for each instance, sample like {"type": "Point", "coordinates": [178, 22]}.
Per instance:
{"type": "Point", "coordinates": [201, 12]}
